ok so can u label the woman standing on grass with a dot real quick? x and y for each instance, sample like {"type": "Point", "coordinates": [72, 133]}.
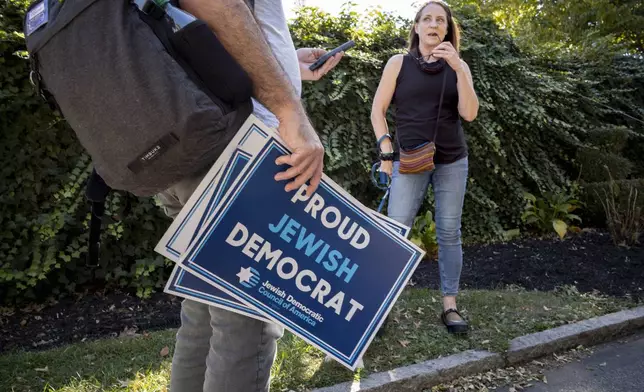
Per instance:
{"type": "Point", "coordinates": [431, 79]}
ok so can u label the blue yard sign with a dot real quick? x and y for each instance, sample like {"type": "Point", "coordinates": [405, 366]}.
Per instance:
{"type": "Point", "coordinates": [321, 266]}
{"type": "Point", "coordinates": [201, 206]}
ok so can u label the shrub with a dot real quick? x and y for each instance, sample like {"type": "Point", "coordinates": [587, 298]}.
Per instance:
{"type": "Point", "coordinates": [634, 151]}
{"type": "Point", "coordinates": [593, 162]}
{"type": "Point", "coordinates": [624, 218]}
{"type": "Point", "coordinates": [423, 234]}
{"type": "Point", "coordinates": [594, 195]}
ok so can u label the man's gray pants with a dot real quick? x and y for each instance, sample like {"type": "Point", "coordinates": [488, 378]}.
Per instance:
{"type": "Point", "coordinates": [217, 350]}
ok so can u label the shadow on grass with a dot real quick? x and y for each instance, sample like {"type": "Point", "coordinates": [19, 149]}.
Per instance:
{"type": "Point", "coordinates": [138, 363]}
{"type": "Point", "coordinates": [415, 334]}
{"type": "Point", "coordinates": [297, 365]}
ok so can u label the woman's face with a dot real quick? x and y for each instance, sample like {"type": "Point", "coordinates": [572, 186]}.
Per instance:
{"type": "Point", "coordinates": [432, 25]}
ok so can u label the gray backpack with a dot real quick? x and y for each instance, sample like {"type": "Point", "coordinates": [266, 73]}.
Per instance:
{"type": "Point", "coordinates": [150, 105]}
{"type": "Point", "coordinates": [150, 102]}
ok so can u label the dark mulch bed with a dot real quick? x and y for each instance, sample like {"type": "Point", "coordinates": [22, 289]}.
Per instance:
{"type": "Point", "coordinates": [88, 317]}
{"type": "Point", "coordinates": [588, 261]}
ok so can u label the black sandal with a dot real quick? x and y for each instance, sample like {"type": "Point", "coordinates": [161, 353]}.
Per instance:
{"type": "Point", "coordinates": [457, 327]}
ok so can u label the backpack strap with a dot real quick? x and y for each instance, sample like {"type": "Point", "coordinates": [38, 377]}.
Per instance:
{"type": "Point", "coordinates": [96, 192]}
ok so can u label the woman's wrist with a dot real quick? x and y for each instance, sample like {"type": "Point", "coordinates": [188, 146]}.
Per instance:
{"type": "Point", "coordinates": [386, 148]}
{"type": "Point", "coordinates": [384, 143]}
{"type": "Point", "coordinates": [459, 70]}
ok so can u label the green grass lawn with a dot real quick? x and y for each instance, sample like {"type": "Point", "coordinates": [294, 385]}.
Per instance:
{"type": "Point", "coordinates": [415, 334]}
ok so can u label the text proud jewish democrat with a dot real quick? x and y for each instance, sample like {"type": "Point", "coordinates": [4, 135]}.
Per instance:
{"type": "Point", "coordinates": [287, 268]}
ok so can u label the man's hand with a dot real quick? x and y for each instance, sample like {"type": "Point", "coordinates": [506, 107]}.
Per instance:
{"type": "Point", "coordinates": [307, 56]}
{"type": "Point", "coordinates": [307, 158]}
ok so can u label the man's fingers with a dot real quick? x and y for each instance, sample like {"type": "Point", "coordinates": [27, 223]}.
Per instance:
{"type": "Point", "coordinates": [298, 166]}
{"type": "Point", "coordinates": [284, 160]}
{"type": "Point", "coordinates": [326, 67]}
{"type": "Point", "coordinates": [330, 64]}
{"type": "Point", "coordinates": [291, 172]}
{"type": "Point", "coordinates": [315, 180]}
{"type": "Point", "coordinates": [306, 175]}
{"type": "Point", "coordinates": [292, 159]}
{"type": "Point", "coordinates": [335, 60]}
{"type": "Point", "coordinates": [316, 53]}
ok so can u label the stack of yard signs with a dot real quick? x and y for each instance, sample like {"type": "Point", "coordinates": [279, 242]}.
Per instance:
{"type": "Point", "coordinates": [325, 267]}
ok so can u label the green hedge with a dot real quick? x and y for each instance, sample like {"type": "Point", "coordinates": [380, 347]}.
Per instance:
{"type": "Point", "coordinates": [43, 213]}
{"type": "Point", "coordinates": [611, 139]}
{"type": "Point", "coordinates": [534, 116]}
{"type": "Point", "coordinates": [593, 163]}
{"type": "Point", "coordinates": [634, 151]}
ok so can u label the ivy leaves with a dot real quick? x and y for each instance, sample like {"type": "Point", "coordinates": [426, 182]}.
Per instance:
{"type": "Point", "coordinates": [535, 115]}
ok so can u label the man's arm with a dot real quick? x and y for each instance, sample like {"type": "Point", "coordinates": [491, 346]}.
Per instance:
{"type": "Point", "coordinates": [238, 31]}
{"type": "Point", "coordinates": [240, 34]}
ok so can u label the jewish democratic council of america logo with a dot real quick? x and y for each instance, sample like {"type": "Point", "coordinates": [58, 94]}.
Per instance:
{"type": "Point", "coordinates": [248, 277]}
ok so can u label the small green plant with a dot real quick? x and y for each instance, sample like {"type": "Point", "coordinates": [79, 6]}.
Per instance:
{"type": "Point", "coordinates": [423, 234]}
{"type": "Point", "coordinates": [552, 211]}
{"type": "Point", "coordinates": [509, 235]}
{"type": "Point", "coordinates": [624, 219]}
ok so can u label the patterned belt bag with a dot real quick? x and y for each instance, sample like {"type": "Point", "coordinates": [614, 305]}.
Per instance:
{"type": "Point", "coordinates": [418, 159]}
{"type": "Point", "coordinates": [421, 158]}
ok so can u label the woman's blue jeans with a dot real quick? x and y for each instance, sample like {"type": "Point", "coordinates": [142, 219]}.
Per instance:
{"type": "Point", "coordinates": [448, 183]}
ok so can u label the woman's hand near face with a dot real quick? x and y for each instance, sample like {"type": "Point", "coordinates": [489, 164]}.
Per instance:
{"type": "Point", "coordinates": [446, 51]}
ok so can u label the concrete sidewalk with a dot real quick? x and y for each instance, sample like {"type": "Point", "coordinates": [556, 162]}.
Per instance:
{"type": "Point", "coordinates": [613, 367]}
{"type": "Point", "coordinates": [523, 349]}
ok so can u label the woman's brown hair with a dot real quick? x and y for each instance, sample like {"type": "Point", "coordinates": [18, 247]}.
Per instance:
{"type": "Point", "coordinates": [453, 32]}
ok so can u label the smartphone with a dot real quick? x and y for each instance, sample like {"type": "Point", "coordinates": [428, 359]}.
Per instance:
{"type": "Point", "coordinates": [345, 46]}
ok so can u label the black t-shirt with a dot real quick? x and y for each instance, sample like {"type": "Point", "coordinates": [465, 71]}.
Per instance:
{"type": "Point", "coordinates": [416, 100]}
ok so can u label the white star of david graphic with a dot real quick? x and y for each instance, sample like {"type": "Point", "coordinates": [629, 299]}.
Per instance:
{"type": "Point", "coordinates": [244, 275]}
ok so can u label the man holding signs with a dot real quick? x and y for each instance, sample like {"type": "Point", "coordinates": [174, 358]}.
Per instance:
{"type": "Point", "coordinates": [216, 349]}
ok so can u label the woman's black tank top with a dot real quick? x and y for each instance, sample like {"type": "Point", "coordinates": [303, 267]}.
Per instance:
{"type": "Point", "coordinates": [416, 100]}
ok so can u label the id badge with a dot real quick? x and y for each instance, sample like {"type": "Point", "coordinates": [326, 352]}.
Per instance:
{"type": "Point", "coordinates": [37, 16]}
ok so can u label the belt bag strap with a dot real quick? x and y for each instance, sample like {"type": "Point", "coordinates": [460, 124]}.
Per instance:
{"type": "Point", "coordinates": [440, 105]}
{"type": "Point", "coordinates": [421, 159]}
